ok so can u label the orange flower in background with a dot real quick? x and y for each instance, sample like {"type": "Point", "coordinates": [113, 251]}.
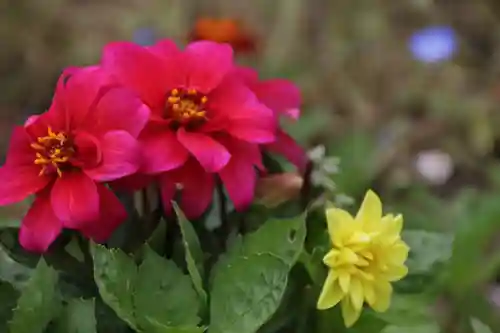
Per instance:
{"type": "Point", "coordinates": [229, 31]}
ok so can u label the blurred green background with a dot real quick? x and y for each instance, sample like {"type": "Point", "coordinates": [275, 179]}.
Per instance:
{"type": "Point", "coordinates": [425, 135]}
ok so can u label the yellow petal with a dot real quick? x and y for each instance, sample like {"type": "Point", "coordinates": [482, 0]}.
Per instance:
{"type": "Point", "coordinates": [347, 256]}
{"type": "Point", "coordinates": [350, 314]}
{"type": "Point", "coordinates": [344, 280]}
{"type": "Point", "coordinates": [331, 293]}
{"type": "Point", "coordinates": [339, 223]}
{"type": "Point", "coordinates": [368, 291]}
{"type": "Point", "coordinates": [370, 212]}
{"type": "Point", "coordinates": [331, 258]}
{"type": "Point", "coordinates": [356, 293]}
{"type": "Point", "coordinates": [383, 293]}
{"type": "Point", "coordinates": [398, 253]}
{"type": "Point", "coordinates": [396, 273]}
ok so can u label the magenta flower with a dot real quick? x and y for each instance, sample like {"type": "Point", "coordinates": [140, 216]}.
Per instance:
{"type": "Point", "coordinates": [205, 121]}
{"type": "Point", "coordinates": [284, 98]}
{"type": "Point", "coordinates": [86, 138]}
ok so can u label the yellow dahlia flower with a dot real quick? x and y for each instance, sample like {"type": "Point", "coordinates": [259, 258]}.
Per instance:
{"type": "Point", "coordinates": [367, 255]}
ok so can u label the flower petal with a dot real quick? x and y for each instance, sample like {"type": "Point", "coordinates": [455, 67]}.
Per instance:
{"type": "Point", "coordinates": [112, 214]}
{"type": "Point", "coordinates": [120, 157]}
{"type": "Point", "coordinates": [20, 151]}
{"type": "Point", "coordinates": [19, 182]}
{"type": "Point", "coordinates": [331, 294]}
{"type": "Point", "coordinates": [338, 221]}
{"type": "Point", "coordinates": [89, 150]}
{"type": "Point", "coordinates": [288, 147]}
{"type": "Point", "coordinates": [383, 293]}
{"type": "Point", "coordinates": [167, 191]}
{"type": "Point", "coordinates": [356, 293]}
{"type": "Point", "coordinates": [197, 188]}
{"type": "Point", "coordinates": [137, 67]}
{"type": "Point", "coordinates": [279, 95]}
{"type": "Point", "coordinates": [75, 200]}
{"type": "Point", "coordinates": [81, 90]}
{"type": "Point", "coordinates": [239, 177]}
{"type": "Point", "coordinates": [40, 227]}
{"type": "Point", "coordinates": [165, 48]}
{"type": "Point", "coordinates": [118, 109]}
{"type": "Point", "coordinates": [349, 312]}
{"type": "Point", "coordinates": [161, 151]}
{"type": "Point", "coordinates": [211, 154]}
{"type": "Point", "coordinates": [370, 212]}
{"type": "Point", "coordinates": [132, 183]}
{"type": "Point", "coordinates": [207, 62]}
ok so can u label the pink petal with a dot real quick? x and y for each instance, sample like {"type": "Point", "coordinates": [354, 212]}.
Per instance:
{"type": "Point", "coordinates": [120, 157]}
{"type": "Point", "coordinates": [211, 154]}
{"type": "Point", "coordinates": [118, 109]}
{"type": "Point", "coordinates": [161, 151]}
{"type": "Point", "coordinates": [237, 107]}
{"type": "Point", "coordinates": [167, 191]}
{"type": "Point", "coordinates": [288, 147]}
{"type": "Point", "coordinates": [40, 227]}
{"type": "Point", "coordinates": [208, 62]}
{"type": "Point", "coordinates": [244, 150]}
{"type": "Point", "coordinates": [81, 91]}
{"type": "Point", "coordinates": [19, 182]}
{"type": "Point", "coordinates": [248, 75]}
{"type": "Point", "coordinates": [132, 183]}
{"type": "Point", "coordinates": [279, 95]}
{"type": "Point", "coordinates": [75, 200]}
{"type": "Point", "coordinates": [89, 150]}
{"type": "Point", "coordinates": [20, 151]}
{"type": "Point", "coordinates": [239, 177]}
{"type": "Point", "coordinates": [138, 68]}
{"type": "Point", "coordinates": [165, 48]}
{"type": "Point", "coordinates": [112, 214]}
{"type": "Point", "coordinates": [197, 188]}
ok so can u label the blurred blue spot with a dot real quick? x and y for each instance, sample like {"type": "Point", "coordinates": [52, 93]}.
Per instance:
{"type": "Point", "coordinates": [433, 44]}
{"type": "Point", "coordinates": [144, 36]}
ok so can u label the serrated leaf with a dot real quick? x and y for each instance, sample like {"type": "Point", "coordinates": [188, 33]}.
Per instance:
{"type": "Point", "coordinates": [39, 302]}
{"type": "Point", "coordinates": [246, 292]}
{"type": "Point", "coordinates": [78, 317]}
{"type": "Point", "coordinates": [283, 238]}
{"type": "Point", "coordinates": [165, 329]}
{"type": "Point", "coordinates": [193, 253]}
{"type": "Point", "coordinates": [164, 296]}
{"type": "Point", "coordinates": [115, 274]}
{"type": "Point", "coordinates": [426, 250]}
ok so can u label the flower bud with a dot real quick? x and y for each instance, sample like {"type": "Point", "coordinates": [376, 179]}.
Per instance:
{"type": "Point", "coordinates": [274, 190]}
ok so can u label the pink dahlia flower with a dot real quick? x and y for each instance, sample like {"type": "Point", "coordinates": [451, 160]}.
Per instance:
{"type": "Point", "coordinates": [205, 121]}
{"type": "Point", "coordinates": [284, 98]}
{"type": "Point", "coordinates": [86, 138]}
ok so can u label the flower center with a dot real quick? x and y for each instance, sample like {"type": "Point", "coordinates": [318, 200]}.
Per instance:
{"type": "Point", "coordinates": [53, 152]}
{"type": "Point", "coordinates": [186, 108]}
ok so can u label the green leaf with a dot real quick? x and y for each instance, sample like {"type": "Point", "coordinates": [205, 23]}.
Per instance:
{"type": "Point", "coordinates": [424, 328]}
{"type": "Point", "coordinates": [479, 327]}
{"type": "Point", "coordinates": [283, 238]}
{"type": "Point", "coordinates": [246, 292]}
{"type": "Point", "coordinates": [115, 274]}
{"type": "Point", "coordinates": [157, 239]}
{"type": "Point", "coordinates": [193, 253]}
{"type": "Point", "coordinates": [165, 329]}
{"type": "Point", "coordinates": [426, 250]}
{"type": "Point", "coordinates": [8, 297]}
{"type": "Point", "coordinates": [164, 297]}
{"type": "Point", "coordinates": [39, 302]}
{"type": "Point", "coordinates": [78, 317]}
{"type": "Point", "coordinates": [408, 310]}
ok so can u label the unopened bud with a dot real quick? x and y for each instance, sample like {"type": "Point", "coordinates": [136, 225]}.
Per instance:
{"type": "Point", "coordinates": [274, 190]}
